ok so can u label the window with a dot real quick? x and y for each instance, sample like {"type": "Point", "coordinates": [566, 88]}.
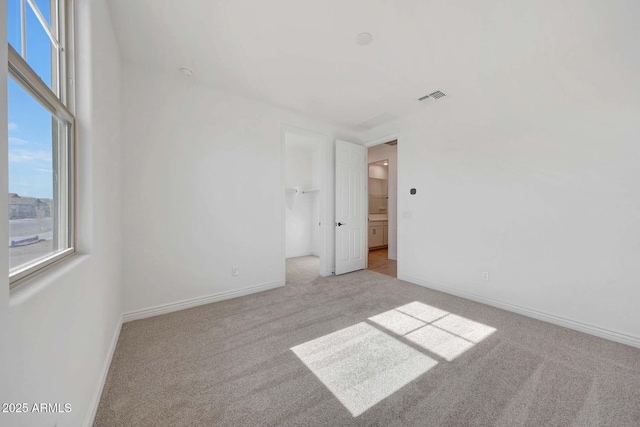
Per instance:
{"type": "Point", "coordinates": [41, 135]}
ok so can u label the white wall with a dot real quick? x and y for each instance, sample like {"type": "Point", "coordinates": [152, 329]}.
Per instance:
{"type": "Point", "coordinates": [544, 196]}
{"type": "Point", "coordinates": [302, 209]}
{"type": "Point", "coordinates": [203, 173]}
{"type": "Point", "coordinates": [389, 152]}
{"type": "Point", "coordinates": [57, 330]}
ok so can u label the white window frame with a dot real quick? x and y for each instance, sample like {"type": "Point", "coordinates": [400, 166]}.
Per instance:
{"type": "Point", "coordinates": [59, 101]}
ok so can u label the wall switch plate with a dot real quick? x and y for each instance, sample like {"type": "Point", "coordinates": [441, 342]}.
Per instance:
{"type": "Point", "coordinates": [234, 271]}
{"type": "Point", "coordinates": [485, 275]}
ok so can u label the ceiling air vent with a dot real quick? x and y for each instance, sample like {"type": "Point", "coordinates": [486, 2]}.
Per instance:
{"type": "Point", "coordinates": [432, 96]}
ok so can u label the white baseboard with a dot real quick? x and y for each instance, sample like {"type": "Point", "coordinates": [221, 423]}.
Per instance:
{"type": "Point", "coordinates": [194, 302]}
{"type": "Point", "coordinates": [95, 401]}
{"type": "Point", "coordinates": [631, 340]}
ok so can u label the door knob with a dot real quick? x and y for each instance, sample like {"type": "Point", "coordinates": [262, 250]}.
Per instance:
{"type": "Point", "coordinates": [341, 223]}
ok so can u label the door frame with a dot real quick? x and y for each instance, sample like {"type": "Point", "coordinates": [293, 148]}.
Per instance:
{"type": "Point", "coordinates": [369, 144]}
{"type": "Point", "coordinates": [323, 196]}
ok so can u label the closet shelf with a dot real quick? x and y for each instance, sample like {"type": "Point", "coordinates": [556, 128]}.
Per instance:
{"type": "Point", "coordinates": [311, 190]}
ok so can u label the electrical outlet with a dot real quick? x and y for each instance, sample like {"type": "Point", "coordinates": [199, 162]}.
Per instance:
{"type": "Point", "coordinates": [485, 275]}
{"type": "Point", "coordinates": [234, 271]}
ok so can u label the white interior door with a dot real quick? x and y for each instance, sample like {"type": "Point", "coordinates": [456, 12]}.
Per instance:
{"type": "Point", "coordinates": [351, 204]}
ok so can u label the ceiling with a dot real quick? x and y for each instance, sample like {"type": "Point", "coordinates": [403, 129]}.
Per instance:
{"type": "Point", "coordinates": [302, 54]}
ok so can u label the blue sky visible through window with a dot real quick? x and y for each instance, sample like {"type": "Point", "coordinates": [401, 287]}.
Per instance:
{"type": "Point", "coordinates": [30, 127]}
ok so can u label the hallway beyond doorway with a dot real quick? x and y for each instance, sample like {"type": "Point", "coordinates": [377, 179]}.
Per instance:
{"type": "Point", "coordinates": [380, 263]}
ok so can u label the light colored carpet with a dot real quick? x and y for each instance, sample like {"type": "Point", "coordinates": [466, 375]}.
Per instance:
{"type": "Point", "coordinates": [308, 355]}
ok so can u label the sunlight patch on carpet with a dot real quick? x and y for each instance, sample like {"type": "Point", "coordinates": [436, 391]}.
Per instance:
{"type": "Point", "coordinates": [362, 365]}
{"type": "Point", "coordinates": [397, 322]}
{"type": "Point", "coordinates": [444, 344]}
{"type": "Point", "coordinates": [465, 328]}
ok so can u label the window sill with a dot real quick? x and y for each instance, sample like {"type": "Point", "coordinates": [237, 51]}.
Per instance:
{"type": "Point", "coordinates": [28, 287]}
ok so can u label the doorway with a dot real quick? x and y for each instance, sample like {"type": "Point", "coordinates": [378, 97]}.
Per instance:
{"type": "Point", "coordinates": [304, 248]}
{"type": "Point", "coordinates": [382, 207]}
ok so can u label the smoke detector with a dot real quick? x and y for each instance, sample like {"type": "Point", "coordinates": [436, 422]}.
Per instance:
{"type": "Point", "coordinates": [432, 96]}
{"type": "Point", "coordinates": [186, 71]}
{"type": "Point", "coordinates": [364, 39]}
